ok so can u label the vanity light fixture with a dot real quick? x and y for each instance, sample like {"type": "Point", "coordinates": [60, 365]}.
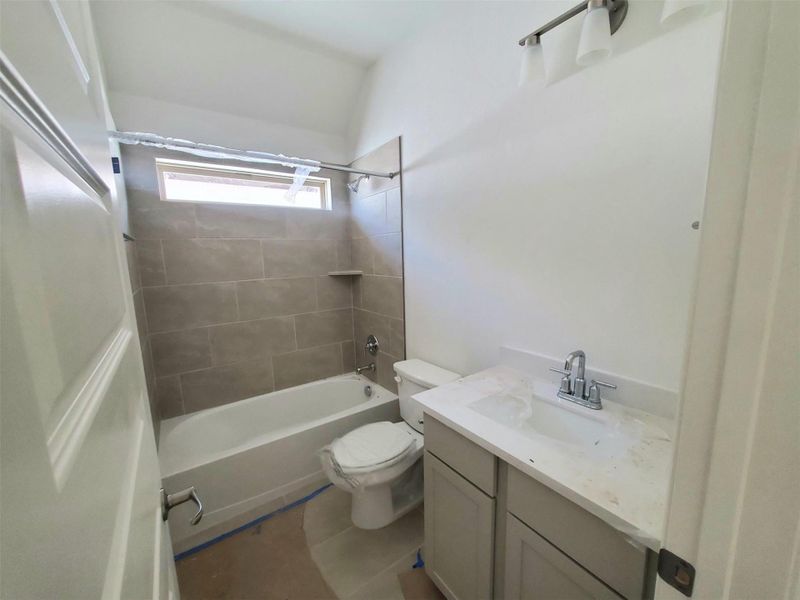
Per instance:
{"type": "Point", "coordinates": [603, 18]}
{"type": "Point", "coordinates": [532, 68]}
{"type": "Point", "coordinates": [595, 43]}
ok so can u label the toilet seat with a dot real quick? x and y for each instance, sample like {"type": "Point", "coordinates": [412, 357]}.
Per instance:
{"type": "Point", "coordinates": [372, 447]}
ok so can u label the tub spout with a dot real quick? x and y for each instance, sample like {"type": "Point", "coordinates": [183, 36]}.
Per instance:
{"type": "Point", "coordinates": [369, 367]}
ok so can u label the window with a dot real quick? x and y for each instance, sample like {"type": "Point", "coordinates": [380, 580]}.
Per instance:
{"type": "Point", "coordinates": [183, 181]}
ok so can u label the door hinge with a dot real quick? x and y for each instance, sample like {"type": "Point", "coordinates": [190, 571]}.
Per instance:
{"type": "Point", "coordinates": [676, 572]}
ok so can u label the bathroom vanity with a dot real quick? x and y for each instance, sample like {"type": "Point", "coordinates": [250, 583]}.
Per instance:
{"type": "Point", "coordinates": [516, 508]}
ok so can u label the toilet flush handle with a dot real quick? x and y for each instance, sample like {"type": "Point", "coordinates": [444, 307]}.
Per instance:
{"type": "Point", "coordinates": [397, 379]}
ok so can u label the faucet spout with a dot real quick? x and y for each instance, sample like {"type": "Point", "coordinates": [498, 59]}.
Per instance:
{"type": "Point", "coordinates": [581, 356]}
{"type": "Point", "coordinates": [369, 367]}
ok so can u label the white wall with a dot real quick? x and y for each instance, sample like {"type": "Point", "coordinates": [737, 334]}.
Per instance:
{"type": "Point", "coordinates": [182, 53]}
{"type": "Point", "coordinates": [554, 219]}
{"type": "Point", "coordinates": [138, 113]}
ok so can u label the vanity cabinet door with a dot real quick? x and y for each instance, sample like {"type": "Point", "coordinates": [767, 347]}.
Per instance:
{"type": "Point", "coordinates": [537, 570]}
{"type": "Point", "coordinates": [459, 533]}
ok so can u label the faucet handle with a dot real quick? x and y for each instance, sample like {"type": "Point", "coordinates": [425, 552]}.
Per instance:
{"type": "Point", "coordinates": [566, 385]}
{"type": "Point", "coordinates": [595, 383]}
{"type": "Point", "coordinates": [594, 398]}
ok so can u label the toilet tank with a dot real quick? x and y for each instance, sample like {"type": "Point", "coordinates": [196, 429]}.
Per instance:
{"type": "Point", "coordinates": [415, 376]}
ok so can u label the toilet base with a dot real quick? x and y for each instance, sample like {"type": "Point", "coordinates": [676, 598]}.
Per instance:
{"type": "Point", "coordinates": [377, 506]}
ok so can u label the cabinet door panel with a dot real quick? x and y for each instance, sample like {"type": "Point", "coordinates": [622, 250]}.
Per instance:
{"type": "Point", "coordinates": [537, 570]}
{"type": "Point", "coordinates": [459, 533]}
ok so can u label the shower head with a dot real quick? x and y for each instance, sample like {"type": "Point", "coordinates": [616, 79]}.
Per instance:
{"type": "Point", "coordinates": [353, 185]}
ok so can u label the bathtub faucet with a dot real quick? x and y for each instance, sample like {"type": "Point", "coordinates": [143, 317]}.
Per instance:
{"type": "Point", "coordinates": [369, 367]}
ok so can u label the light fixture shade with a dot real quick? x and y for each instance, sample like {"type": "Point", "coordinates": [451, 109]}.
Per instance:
{"type": "Point", "coordinates": [678, 12]}
{"type": "Point", "coordinates": [595, 43]}
{"type": "Point", "coordinates": [532, 68]}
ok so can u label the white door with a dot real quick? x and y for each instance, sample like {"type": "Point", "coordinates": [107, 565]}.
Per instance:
{"type": "Point", "coordinates": [79, 479]}
{"type": "Point", "coordinates": [734, 513]}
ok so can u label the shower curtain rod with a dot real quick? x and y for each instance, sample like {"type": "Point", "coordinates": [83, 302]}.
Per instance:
{"type": "Point", "coordinates": [210, 150]}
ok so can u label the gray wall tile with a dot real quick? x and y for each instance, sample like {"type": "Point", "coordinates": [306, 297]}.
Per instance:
{"type": "Point", "coordinates": [367, 323]}
{"type": "Point", "coordinates": [252, 339]}
{"type": "Point", "coordinates": [361, 254]}
{"type": "Point", "coordinates": [307, 365]}
{"type": "Point", "coordinates": [318, 328]}
{"type": "Point", "coordinates": [394, 217]}
{"type": "Point", "coordinates": [179, 351]}
{"type": "Point", "coordinates": [348, 357]}
{"type": "Point", "coordinates": [334, 292]}
{"type": "Point", "coordinates": [185, 306]}
{"type": "Point", "coordinates": [151, 262]}
{"type": "Point", "coordinates": [310, 224]}
{"type": "Point", "coordinates": [221, 385]}
{"type": "Point", "coordinates": [154, 219]}
{"type": "Point", "coordinates": [383, 295]}
{"type": "Point", "coordinates": [237, 221]}
{"type": "Point", "coordinates": [397, 339]}
{"type": "Point", "coordinates": [206, 260]}
{"type": "Point", "coordinates": [170, 400]}
{"type": "Point", "coordinates": [388, 254]}
{"type": "Point", "coordinates": [133, 267]}
{"type": "Point", "coordinates": [215, 257]}
{"type": "Point", "coordinates": [141, 318]}
{"type": "Point", "coordinates": [298, 258]}
{"type": "Point", "coordinates": [275, 297]}
{"type": "Point", "coordinates": [384, 364]}
{"type": "Point", "coordinates": [344, 260]}
{"type": "Point", "coordinates": [369, 215]}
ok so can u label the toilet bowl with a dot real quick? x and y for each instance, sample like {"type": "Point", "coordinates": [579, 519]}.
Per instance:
{"type": "Point", "coordinates": [380, 463]}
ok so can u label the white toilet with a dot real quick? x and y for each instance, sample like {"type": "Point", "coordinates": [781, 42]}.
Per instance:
{"type": "Point", "coordinates": [379, 463]}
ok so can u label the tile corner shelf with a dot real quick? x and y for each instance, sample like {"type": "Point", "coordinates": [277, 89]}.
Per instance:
{"type": "Point", "coordinates": [345, 273]}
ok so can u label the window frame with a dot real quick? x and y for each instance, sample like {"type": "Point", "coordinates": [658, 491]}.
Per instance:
{"type": "Point", "coordinates": [171, 165]}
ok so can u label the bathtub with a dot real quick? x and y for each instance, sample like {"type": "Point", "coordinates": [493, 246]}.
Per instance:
{"type": "Point", "coordinates": [256, 455]}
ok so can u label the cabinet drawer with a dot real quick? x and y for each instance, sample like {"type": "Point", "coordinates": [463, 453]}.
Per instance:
{"type": "Point", "coordinates": [470, 460]}
{"type": "Point", "coordinates": [601, 549]}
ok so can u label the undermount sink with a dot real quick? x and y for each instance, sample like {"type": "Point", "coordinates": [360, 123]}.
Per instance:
{"type": "Point", "coordinates": [535, 416]}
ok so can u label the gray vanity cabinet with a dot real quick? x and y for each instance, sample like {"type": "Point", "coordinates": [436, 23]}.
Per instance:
{"type": "Point", "coordinates": [459, 533]}
{"type": "Point", "coordinates": [537, 570]}
{"type": "Point", "coordinates": [491, 531]}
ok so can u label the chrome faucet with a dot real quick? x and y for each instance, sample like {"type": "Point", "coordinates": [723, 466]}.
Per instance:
{"type": "Point", "coordinates": [369, 367]}
{"type": "Point", "coordinates": [574, 390]}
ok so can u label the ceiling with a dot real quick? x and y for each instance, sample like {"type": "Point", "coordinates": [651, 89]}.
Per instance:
{"type": "Point", "coordinates": [362, 30]}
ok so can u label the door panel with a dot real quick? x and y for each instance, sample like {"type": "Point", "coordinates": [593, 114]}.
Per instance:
{"type": "Point", "coordinates": [79, 502]}
{"type": "Point", "coordinates": [459, 533]}
{"type": "Point", "coordinates": [537, 570]}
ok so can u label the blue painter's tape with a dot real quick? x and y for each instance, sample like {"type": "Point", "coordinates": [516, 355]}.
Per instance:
{"type": "Point", "coordinates": [253, 523]}
{"type": "Point", "coordinates": [420, 563]}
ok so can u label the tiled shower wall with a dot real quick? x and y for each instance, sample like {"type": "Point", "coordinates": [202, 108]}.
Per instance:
{"type": "Point", "coordinates": [377, 250]}
{"type": "Point", "coordinates": [236, 299]}
{"type": "Point", "coordinates": [141, 325]}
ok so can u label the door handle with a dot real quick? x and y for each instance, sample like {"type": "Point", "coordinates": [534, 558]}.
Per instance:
{"type": "Point", "coordinates": [170, 501]}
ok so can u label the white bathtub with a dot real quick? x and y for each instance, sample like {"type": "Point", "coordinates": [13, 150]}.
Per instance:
{"type": "Point", "coordinates": [260, 451]}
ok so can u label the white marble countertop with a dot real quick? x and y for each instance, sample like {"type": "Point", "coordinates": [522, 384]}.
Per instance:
{"type": "Point", "coordinates": [622, 477]}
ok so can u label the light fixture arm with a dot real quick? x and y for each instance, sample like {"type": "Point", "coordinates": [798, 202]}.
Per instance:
{"type": "Point", "coordinates": [617, 10]}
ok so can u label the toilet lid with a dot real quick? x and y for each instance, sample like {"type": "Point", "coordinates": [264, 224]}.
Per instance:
{"type": "Point", "coordinates": [372, 445]}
